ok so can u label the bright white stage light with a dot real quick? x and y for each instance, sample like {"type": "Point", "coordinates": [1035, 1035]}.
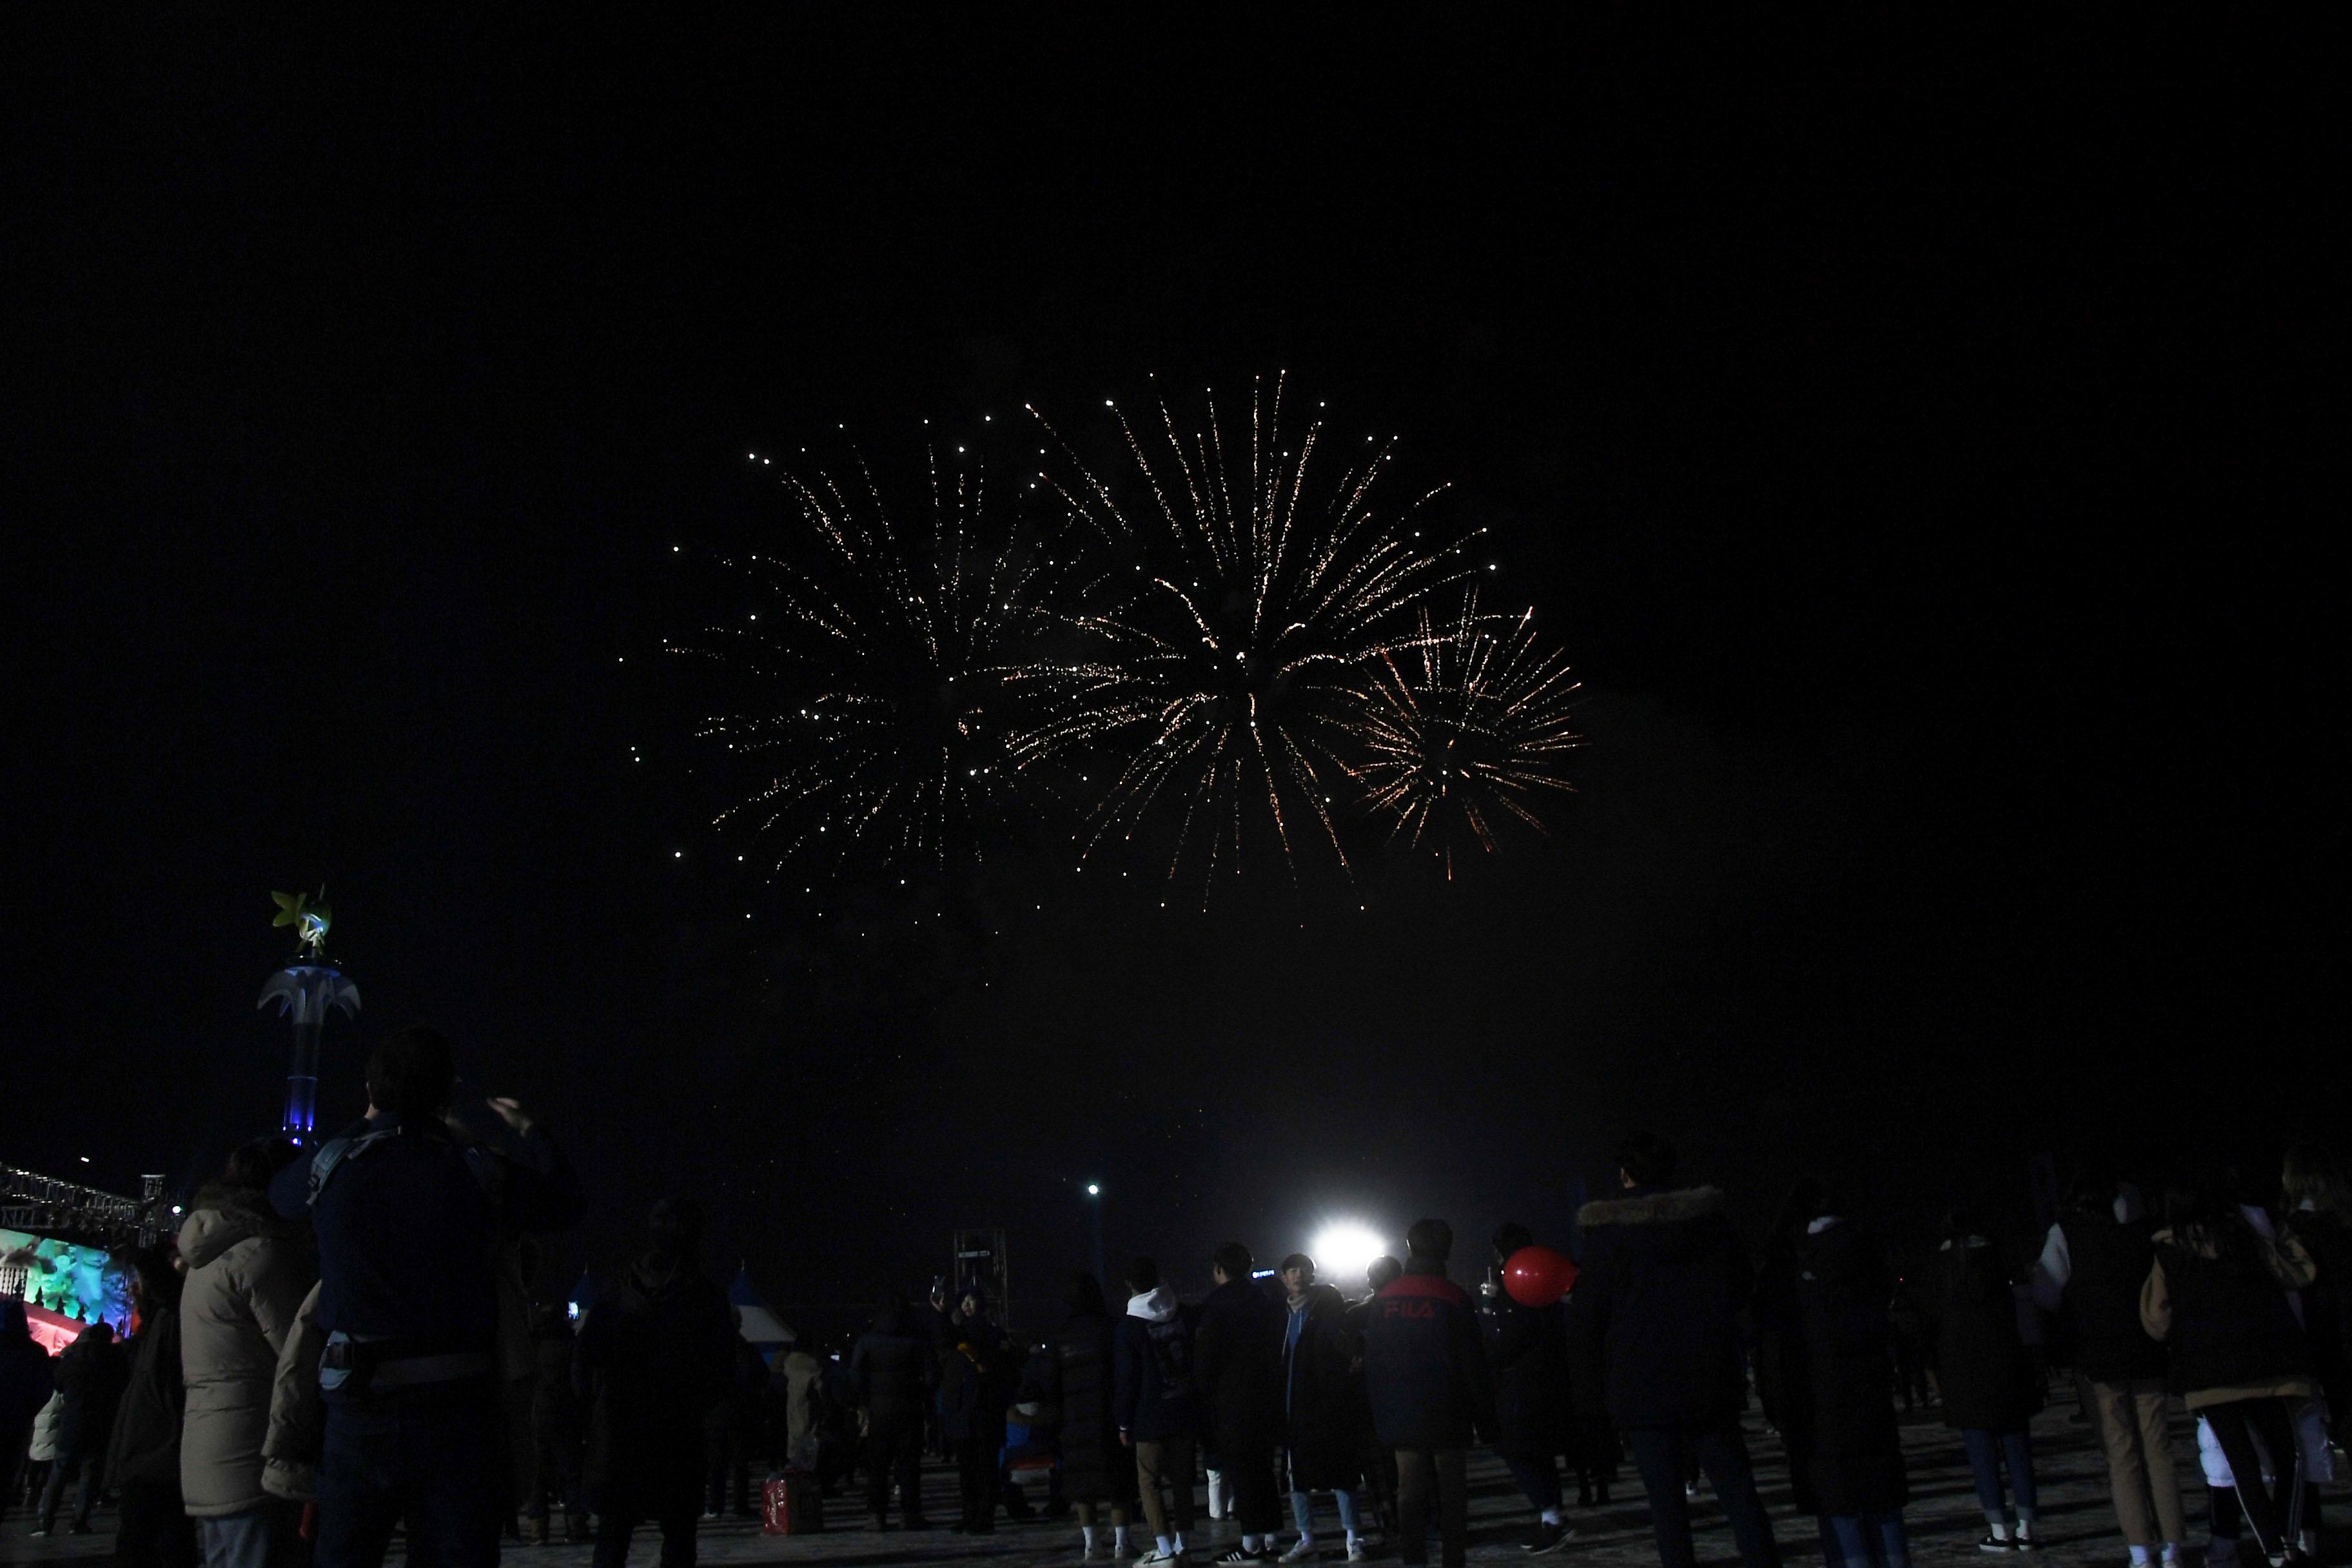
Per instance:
{"type": "Point", "coordinates": [1343, 1250]}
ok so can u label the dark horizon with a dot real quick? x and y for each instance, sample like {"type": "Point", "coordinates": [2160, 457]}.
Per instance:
{"type": "Point", "coordinates": [1899, 428]}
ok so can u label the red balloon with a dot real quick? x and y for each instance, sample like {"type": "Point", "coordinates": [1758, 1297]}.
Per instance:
{"type": "Point", "coordinates": [1536, 1276]}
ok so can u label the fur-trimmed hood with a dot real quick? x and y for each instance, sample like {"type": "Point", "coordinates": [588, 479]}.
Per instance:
{"type": "Point", "coordinates": [1666, 1207]}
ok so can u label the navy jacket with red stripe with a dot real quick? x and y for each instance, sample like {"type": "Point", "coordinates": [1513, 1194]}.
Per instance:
{"type": "Point", "coordinates": [1425, 1366]}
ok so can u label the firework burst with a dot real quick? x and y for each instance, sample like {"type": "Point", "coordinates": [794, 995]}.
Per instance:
{"type": "Point", "coordinates": [1241, 600]}
{"type": "Point", "coordinates": [1467, 726]}
{"type": "Point", "coordinates": [876, 664]}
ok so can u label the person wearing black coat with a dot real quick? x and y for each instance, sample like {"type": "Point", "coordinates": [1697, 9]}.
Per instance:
{"type": "Point", "coordinates": [1534, 1417]}
{"type": "Point", "coordinates": [1990, 1384]}
{"type": "Point", "coordinates": [1321, 1402]}
{"type": "Point", "coordinates": [2093, 1263]}
{"type": "Point", "coordinates": [26, 1380]}
{"type": "Point", "coordinates": [1097, 1473]}
{"type": "Point", "coordinates": [1655, 1331]}
{"type": "Point", "coordinates": [554, 1426]}
{"type": "Point", "coordinates": [143, 1459]}
{"type": "Point", "coordinates": [90, 1375]}
{"type": "Point", "coordinates": [1237, 1354]}
{"type": "Point", "coordinates": [734, 1430]}
{"type": "Point", "coordinates": [2218, 1294]}
{"type": "Point", "coordinates": [2319, 1217]}
{"type": "Point", "coordinates": [892, 1373]}
{"type": "Point", "coordinates": [654, 1356]}
{"type": "Point", "coordinates": [977, 1379]}
{"type": "Point", "coordinates": [1825, 1369]}
{"type": "Point", "coordinates": [1431, 1393]}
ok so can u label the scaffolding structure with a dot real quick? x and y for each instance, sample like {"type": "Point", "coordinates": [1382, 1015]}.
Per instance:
{"type": "Point", "coordinates": [979, 1259]}
{"type": "Point", "coordinates": [72, 1211]}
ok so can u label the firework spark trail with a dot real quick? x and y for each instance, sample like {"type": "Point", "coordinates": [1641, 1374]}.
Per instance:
{"type": "Point", "coordinates": [1231, 663]}
{"type": "Point", "coordinates": [1471, 718]}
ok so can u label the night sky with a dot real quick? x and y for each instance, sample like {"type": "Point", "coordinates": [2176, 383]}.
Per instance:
{"type": "Point", "coordinates": [1910, 435]}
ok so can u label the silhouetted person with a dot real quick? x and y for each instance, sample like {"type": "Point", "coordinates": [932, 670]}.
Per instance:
{"type": "Point", "coordinates": [90, 1375]}
{"type": "Point", "coordinates": [2093, 1261]}
{"type": "Point", "coordinates": [1237, 1361]}
{"type": "Point", "coordinates": [2216, 1294]}
{"type": "Point", "coordinates": [976, 1382]}
{"type": "Point", "coordinates": [1097, 1472]}
{"type": "Point", "coordinates": [1534, 1421]}
{"type": "Point", "coordinates": [1432, 1391]}
{"type": "Point", "coordinates": [655, 1354]}
{"type": "Point", "coordinates": [1825, 1368]}
{"type": "Point", "coordinates": [2319, 1218]}
{"type": "Point", "coordinates": [27, 1380]}
{"type": "Point", "coordinates": [144, 1456]}
{"type": "Point", "coordinates": [558, 1432]}
{"type": "Point", "coordinates": [892, 1370]}
{"type": "Point", "coordinates": [1991, 1386]}
{"type": "Point", "coordinates": [1655, 1332]}
{"type": "Point", "coordinates": [407, 1221]}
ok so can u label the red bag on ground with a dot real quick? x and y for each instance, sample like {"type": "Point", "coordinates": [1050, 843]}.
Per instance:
{"type": "Point", "coordinates": [790, 1504]}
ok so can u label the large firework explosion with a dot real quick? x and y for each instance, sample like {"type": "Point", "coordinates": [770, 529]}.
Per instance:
{"type": "Point", "coordinates": [1467, 726]}
{"type": "Point", "coordinates": [1220, 646]}
{"type": "Point", "coordinates": [1228, 658]}
{"type": "Point", "coordinates": [873, 669]}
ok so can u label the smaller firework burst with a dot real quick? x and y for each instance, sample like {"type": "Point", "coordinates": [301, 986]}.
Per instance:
{"type": "Point", "coordinates": [1468, 726]}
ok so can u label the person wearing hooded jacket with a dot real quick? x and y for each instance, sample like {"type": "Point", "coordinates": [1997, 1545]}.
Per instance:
{"type": "Point", "coordinates": [1655, 1330]}
{"type": "Point", "coordinates": [1154, 1403]}
{"type": "Point", "coordinates": [144, 1455]}
{"type": "Point", "coordinates": [90, 1379]}
{"type": "Point", "coordinates": [27, 1382]}
{"type": "Point", "coordinates": [1990, 1386]}
{"type": "Point", "coordinates": [1824, 1368]}
{"type": "Point", "coordinates": [654, 1355]}
{"type": "Point", "coordinates": [248, 1271]}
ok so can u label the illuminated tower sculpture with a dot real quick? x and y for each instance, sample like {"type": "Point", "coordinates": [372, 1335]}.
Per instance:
{"type": "Point", "coordinates": [304, 990]}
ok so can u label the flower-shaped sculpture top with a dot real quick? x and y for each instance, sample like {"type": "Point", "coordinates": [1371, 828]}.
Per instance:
{"type": "Point", "coordinates": [309, 920]}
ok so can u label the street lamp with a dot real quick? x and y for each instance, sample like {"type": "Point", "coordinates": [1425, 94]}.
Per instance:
{"type": "Point", "coordinates": [1093, 1192]}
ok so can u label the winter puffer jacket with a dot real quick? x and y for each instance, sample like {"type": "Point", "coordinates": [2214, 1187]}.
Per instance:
{"type": "Point", "coordinates": [1982, 1366]}
{"type": "Point", "coordinates": [247, 1273]}
{"type": "Point", "coordinates": [1655, 1327]}
{"type": "Point", "coordinates": [298, 1410]}
{"type": "Point", "coordinates": [45, 1427]}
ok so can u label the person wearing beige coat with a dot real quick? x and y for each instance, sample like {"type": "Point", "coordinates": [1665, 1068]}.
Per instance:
{"type": "Point", "coordinates": [248, 1271]}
